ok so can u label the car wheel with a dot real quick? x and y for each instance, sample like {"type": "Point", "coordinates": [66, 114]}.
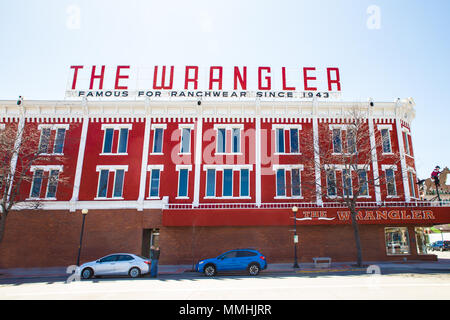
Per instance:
{"type": "Point", "coordinates": [134, 272]}
{"type": "Point", "coordinates": [87, 273]}
{"type": "Point", "coordinates": [253, 269]}
{"type": "Point", "coordinates": [210, 270]}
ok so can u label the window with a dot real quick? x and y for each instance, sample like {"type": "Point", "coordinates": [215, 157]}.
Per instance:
{"type": "Point", "coordinates": [231, 254]}
{"type": "Point", "coordinates": [281, 183]}
{"type": "Point", "coordinates": [37, 183]}
{"type": "Point", "coordinates": [280, 140]}
{"type": "Point", "coordinates": [45, 140]}
{"type": "Point", "coordinates": [347, 182]}
{"type": "Point", "coordinates": [294, 140]}
{"type": "Point", "coordinates": [244, 191]}
{"type": "Point", "coordinates": [120, 140]}
{"type": "Point", "coordinates": [59, 140]}
{"type": "Point", "coordinates": [103, 181]}
{"type": "Point", "coordinates": [125, 257]}
{"type": "Point", "coordinates": [227, 183]}
{"type": "Point", "coordinates": [185, 140]}
{"type": "Point", "coordinates": [103, 184]}
{"type": "Point", "coordinates": [228, 138]}
{"type": "Point", "coordinates": [390, 182]}
{"type": "Point", "coordinates": [221, 140]}
{"type": "Point", "coordinates": [337, 141]}
{"type": "Point", "coordinates": [211, 183]}
{"type": "Point", "coordinates": [386, 141]}
{"type": "Point", "coordinates": [158, 140]}
{"type": "Point", "coordinates": [331, 183]}
{"type": "Point", "coordinates": [123, 139]}
{"type": "Point", "coordinates": [351, 141]}
{"type": "Point", "coordinates": [52, 184]}
{"type": "Point", "coordinates": [244, 254]}
{"type": "Point", "coordinates": [154, 183]}
{"type": "Point", "coordinates": [107, 141]}
{"type": "Point", "coordinates": [412, 184]}
{"type": "Point", "coordinates": [407, 149]}
{"type": "Point", "coordinates": [183, 175]}
{"type": "Point", "coordinates": [363, 184]}
{"type": "Point", "coordinates": [397, 241]}
{"type": "Point", "coordinates": [421, 240]}
{"type": "Point", "coordinates": [111, 258]}
{"type": "Point", "coordinates": [236, 140]}
{"type": "Point", "coordinates": [295, 182]}
{"type": "Point", "coordinates": [118, 183]}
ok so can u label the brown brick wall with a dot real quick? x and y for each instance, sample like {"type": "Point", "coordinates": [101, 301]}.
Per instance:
{"type": "Point", "coordinates": [40, 239]}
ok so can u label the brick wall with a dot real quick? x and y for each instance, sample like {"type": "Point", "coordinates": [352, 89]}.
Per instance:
{"type": "Point", "coordinates": [41, 239]}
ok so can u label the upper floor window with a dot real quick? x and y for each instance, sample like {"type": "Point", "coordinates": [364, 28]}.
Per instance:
{"type": "Point", "coordinates": [228, 180]}
{"type": "Point", "coordinates": [390, 180]}
{"type": "Point", "coordinates": [183, 180]}
{"type": "Point", "coordinates": [186, 130]}
{"type": "Point", "coordinates": [228, 139]}
{"type": "Point", "coordinates": [385, 131]}
{"type": "Point", "coordinates": [118, 173]}
{"type": "Point", "coordinates": [288, 175]}
{"type": "Point", "coordinates": [407, 145]}
{"type": "Point", "coordinates": [158, 138]}
{"type": "Point", "coordinates": [347, 183]}
{"type": "Point", "coordinates": [412, 185]}
{"type": "Point", "coordinates": [363, 183]}
{"type": "Point", "coordinates": [155, 178]}
{"type": "Point", "coordinates": [293, 136]}
{"type": "Point", "coordinates": [337, 141]}
{"type": "Point", "coordinates": [40, 175]}
{"type": "Point", "coordinates": [59, 135]}
{"type": "Point", "coordinates": [331, 183]}
{"type": "Point", "coordinates": [122, 143]}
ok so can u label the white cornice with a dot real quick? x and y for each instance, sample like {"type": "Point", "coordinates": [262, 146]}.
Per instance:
{"type": "Point", "coordinates": [65, 110]}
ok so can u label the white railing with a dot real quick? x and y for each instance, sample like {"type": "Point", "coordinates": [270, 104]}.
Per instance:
{"type": "Point", "coordinates": [300, 205]}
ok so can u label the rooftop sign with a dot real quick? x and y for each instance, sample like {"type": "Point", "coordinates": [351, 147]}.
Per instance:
{"type": "Point", "coordinates": [126, 81]}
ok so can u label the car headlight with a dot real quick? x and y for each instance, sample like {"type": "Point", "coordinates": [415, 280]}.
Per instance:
{"type": "Point", "coordinates": [200, 262]}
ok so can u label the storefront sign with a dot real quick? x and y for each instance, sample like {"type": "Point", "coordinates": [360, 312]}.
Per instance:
{"type": "Point", "coordinates": [194, 82]}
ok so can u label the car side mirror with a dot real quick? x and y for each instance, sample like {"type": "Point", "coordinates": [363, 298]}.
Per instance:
{"type": "Point", "coordinates": [98, 261]}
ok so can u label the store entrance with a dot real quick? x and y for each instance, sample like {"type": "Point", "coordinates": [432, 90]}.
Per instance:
{"type": "Point", "coordinates": [150, 237]}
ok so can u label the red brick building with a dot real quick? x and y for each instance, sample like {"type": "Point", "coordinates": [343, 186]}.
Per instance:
{"type": "Point", "coordinates": [202, 178]}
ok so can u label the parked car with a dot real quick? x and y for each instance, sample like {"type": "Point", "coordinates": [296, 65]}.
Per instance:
{"type": "Point", "coordinates": [116, 264]}
{"type": "Point", "coordinates": [440, 246]}
{"type": "Point", "coordinates": [249, 260]}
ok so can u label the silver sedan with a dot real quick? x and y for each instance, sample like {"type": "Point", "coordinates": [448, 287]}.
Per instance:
{"type": "Point", "coordinates": [116, 264]}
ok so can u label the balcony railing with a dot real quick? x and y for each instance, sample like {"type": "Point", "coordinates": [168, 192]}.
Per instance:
{"type": "Point", "coordinates": [300, 205]}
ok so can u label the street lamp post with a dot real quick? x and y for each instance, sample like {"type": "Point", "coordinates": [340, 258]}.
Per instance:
{"type": "Point", "coordinates": [84, 212]}
{"type": "Point", "coordinates": [294, 210]}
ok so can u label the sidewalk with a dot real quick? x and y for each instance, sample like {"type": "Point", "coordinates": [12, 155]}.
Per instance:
{"type": "Point", "coordinates": [443, 265]}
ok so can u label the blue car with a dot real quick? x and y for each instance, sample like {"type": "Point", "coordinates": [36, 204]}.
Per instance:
{"type": "Point", "coordinates": [440, 246]}
{"type": "Point", "coordinates": [249, 260]}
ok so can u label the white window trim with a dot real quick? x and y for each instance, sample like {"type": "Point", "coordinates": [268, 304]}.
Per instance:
{"type": "Point", "coordinates": [155, 126]}
{"type": "Point", "coordinates": [287, 127]}
{"type": "Point", "coordinates": [110, 168]}
{"type": "Point", "coordinates": [389, 128]}
{"type": "Point", "coordinates": [385, 167]}
{"type": "Point", "coordinates": [114, 186]}
{"type": "Point", "coordinates": [54, 126]}
{"type": "Point", "coordinates": [191, 128]}
{"type": "Point", "coordinates": [46, 167]}
{"type": "Point", "coordinates": [150, 168]}
{"type": "Point", "coordinates": [115, 127]}
{"type": "Point", "coordinates": [229, 127]}
{"type": "Point", "coordinates": [179, 168]}
{"type": "Point", "coordinates": [215, 183]}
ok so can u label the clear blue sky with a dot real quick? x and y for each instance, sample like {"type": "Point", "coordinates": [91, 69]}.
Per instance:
{"type": "Point", "coordinates": [407, 56]}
